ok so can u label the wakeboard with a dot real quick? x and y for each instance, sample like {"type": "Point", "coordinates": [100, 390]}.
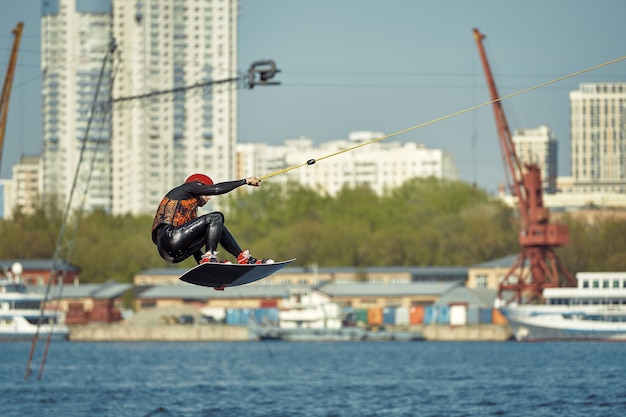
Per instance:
{"type": "Point", "coordinates": [218, 275]}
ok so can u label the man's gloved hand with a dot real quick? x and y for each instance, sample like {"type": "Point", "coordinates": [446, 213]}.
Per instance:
{"type": "Point", "coordinates": [254, 181]}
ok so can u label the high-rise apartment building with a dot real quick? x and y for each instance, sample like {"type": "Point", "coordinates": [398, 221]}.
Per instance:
{"type": "Point", "coordinates": [538, 146]}
{"type": "Point", "coordinates": [598, 143]}
{"type": "Point", "coordinates": [167, 46]}
{"type": "Point", "coordinates": [162, 110]}
{"type": "Point", "coordinates": [75, 38]}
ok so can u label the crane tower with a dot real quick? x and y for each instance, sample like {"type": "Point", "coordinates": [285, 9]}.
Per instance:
{"type": "Point", "coordinates": [537, 236]}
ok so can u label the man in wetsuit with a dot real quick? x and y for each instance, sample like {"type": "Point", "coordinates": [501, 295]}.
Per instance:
{"type": "Point", "coordinates": [178, 232]}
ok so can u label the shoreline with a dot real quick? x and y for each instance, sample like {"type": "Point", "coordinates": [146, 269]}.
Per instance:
{"type": "Point", "coordinates": [127, 332]}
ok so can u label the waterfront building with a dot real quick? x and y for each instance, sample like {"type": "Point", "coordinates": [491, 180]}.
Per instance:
{"type": "Point", "coordinates": [489, 275]}
{"type": "Point", "coordinates": [314, 276]}
{"type": "Point", "coordinates": [538, 146]}
{"type": "Point", "coordinates": [38, 272]}
{"type": "Point", "coordinates": [598, 137]}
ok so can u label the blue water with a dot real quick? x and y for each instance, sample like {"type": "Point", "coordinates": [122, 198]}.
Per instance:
{"type": "Point", "coordinates": [316, 379]}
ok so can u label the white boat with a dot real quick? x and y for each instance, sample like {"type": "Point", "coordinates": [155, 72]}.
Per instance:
{"type": "Point", "coordinates": [594, 310]}
{"type": "Point", "coordinates": [20, 312]}
{"type": "Point", "coordinates": [307, 315]}
{"type": "Point", "coordinates": [310, 316]}
{"type": "Point", "coordinates": [309, 309]}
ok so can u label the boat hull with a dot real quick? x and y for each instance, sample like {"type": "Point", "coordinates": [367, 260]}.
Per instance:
{"type": "Point", "coordinates": [27, 337]}
{"type": "Point", "coordinates": [560, 326]}
{"type": "Point", "coordinates": [18, 325]}
{"type": "Point", "coordinates": [594, 310]}
{"type": "Point", "coordinates": [21, 317]}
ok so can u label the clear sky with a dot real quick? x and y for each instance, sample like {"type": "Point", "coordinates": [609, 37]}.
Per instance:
{"type": "Point", "coordinates": [349, 65]}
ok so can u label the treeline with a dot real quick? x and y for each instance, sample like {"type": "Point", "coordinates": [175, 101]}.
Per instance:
{"type": "Point", "coordinates": [425, 222]}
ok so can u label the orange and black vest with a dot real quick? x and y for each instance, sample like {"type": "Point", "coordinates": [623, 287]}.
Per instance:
{"type": "Point", "coordinates": [175, 212]}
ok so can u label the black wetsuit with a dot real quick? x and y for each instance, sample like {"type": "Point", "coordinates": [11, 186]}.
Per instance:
{"type": "Point", "coordinates": [179, 233]}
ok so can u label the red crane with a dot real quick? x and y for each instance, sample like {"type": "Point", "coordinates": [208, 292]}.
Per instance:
{"type": "Point", "coordinates": [537, 236]}
{"type": "Point", "coordinates": [8, 83]}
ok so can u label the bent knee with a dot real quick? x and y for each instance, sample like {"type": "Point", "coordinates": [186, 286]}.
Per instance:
{"type": "Point", "coordinates": [216, 216]}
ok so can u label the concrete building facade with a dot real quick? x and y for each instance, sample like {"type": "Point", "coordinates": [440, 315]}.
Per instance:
{"type": "Point", "coordinates": [135, 93]}
{"type": "Point", "coordinates": [538, 146]}
{"type": "Point", "coordinates": [382, 166]}
{"type": "Point", "coordinates": [598, 144]}
{"type": "Point", "coordinates": [26, 186]}
{"type": "Point", "coordinates": [75, 39]}
{"type": "Point", "coordinates": [183, 51]}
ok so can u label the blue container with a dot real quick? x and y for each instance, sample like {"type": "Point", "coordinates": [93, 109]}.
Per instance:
{"type": "Point", "coordinates": [237, 316]}
{"type": "Point", "coordinates": [485, 315]}
{"type": "Point", "coordinates": [473, 316]}
{"type": "Point", "coordinates": [266, 315]}
{"type": "Point", "coordinates": [430, 314]}
{"type": "Point", "coordinates": [443, 315]}
{"type": "Point", "coordinates": [389, 315]}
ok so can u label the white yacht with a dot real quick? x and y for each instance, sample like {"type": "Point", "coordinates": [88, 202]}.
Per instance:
{"type": "Point", "coordinates": [20, 312]}
{"type": "Point", "coordinates": [594, 310]}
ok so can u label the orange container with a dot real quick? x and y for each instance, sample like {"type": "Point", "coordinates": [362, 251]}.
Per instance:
{"type": "Point", "coordinates": [375, 316]}
{"type": "Point", "coordinates": [498, 317]}
{"type": "Point", "coordinates": [416, 315]}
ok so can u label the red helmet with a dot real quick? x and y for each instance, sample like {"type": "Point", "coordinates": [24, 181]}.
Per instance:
{"type": "Point", "coordinates": [200, 178]}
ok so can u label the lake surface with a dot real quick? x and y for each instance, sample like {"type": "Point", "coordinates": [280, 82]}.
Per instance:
{"type": "Point", "coordinates": [342, 379]}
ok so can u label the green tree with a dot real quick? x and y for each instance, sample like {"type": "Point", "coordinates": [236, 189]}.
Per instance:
{"type": "Point", "coordinates": [595, 245]}
{"type": "Point", "coordinates": [425, 222]}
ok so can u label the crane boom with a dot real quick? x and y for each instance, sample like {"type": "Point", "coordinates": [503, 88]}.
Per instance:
{"type": "Point", "coordinates": [8, 83]}
{"type": "Point", "coordinates": [537, 236]}
{"type": "Point", "coordinates": [506, 142]}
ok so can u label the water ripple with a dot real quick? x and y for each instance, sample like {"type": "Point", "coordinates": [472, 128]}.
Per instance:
{"type": "Point", "coordinates": [364, 379]}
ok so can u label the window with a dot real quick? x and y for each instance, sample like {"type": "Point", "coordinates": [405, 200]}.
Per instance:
{"type": "Point", "coordinates": [481, 281]}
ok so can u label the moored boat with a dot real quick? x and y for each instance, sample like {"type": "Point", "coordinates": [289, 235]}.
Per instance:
{"type": "Point", "coordinates": [21, 317]}
{"type": "Point", "coordinates": [594, 310]}
{"type": "Point", "coordinates": [310, 316]}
